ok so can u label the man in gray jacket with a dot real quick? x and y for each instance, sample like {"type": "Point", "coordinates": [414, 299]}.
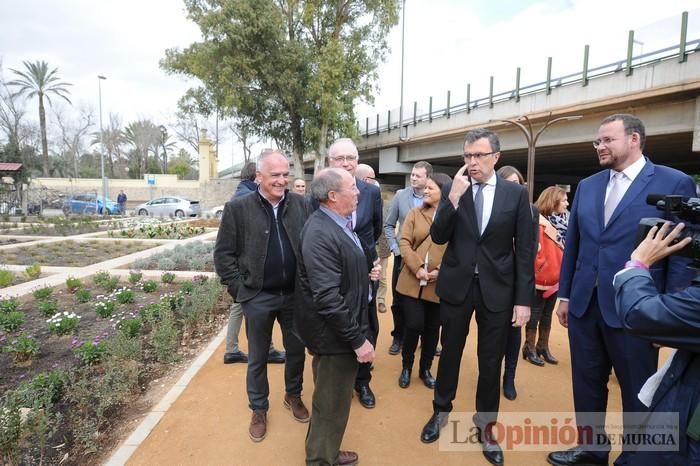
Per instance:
{"type": "Point", "coordinates": [404, 200]}
{"type": "Point", "coordinates": [256, 254]}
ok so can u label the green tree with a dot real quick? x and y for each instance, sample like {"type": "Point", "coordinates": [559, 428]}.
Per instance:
{"type": "Point", "coordinates": [292, 68]}
{"type": "Point", "coordinates": [143, 135]}
{"type": "Point", "coordinates": [40, 82]}
{"type": "Point", "coordinates": [183, 165]}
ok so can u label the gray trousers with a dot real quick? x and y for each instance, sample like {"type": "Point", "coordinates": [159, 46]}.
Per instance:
{"type": "Point", "coordinates": [235, 319]}
{"type": "Point", "coordinates": [261, 313]}
{"type": "Point", "coordinates": [334, 378]}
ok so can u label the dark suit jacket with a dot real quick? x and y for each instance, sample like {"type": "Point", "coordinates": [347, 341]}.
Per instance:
{"type": "Point", "coordinates": [369, 222]}
{"type": "Point", "coordinates": [332, 316]}
{"type": "Point", "coordinates": [504, 252]}
{"type": "Point", "coordinates": [593, 253]}
{"type": "Point", "coordinates": [672, 320]}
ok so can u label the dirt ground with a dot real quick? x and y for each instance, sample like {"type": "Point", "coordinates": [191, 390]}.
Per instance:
{"type": "Point", "coordinates": [208, 425]}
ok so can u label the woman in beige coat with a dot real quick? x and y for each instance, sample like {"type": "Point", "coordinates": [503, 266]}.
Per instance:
{"type": "Point", "coordinates": [421, 266]}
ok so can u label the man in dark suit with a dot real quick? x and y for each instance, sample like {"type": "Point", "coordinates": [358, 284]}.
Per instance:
{"type": "Point", "coordinates": [606, 210]}
{"type": "Point", "coordinates": [367, 223]}
{"type": "Point", "coordinates": [671, 320]}
{"type": "Point", "coordinates": [332, 318]}
{"type": "Point", "coordinates": [487, 269]}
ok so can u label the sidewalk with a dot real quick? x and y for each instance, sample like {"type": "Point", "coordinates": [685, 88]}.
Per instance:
{"type": "Point", "coordinates": [208, 423]}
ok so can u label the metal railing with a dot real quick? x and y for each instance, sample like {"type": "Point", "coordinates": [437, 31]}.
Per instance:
{"type": "Point", "coordinates": [680, 50]}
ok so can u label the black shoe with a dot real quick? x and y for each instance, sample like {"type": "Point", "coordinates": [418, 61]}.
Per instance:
{"type": "Point", "coordinates": [438, 352]}
{"type": "Point", "coordinates": [545, 354]}
{"type": "Point", "coordinates": [427, 378]}
{"type": "Point", "coordinates": [574, 457]}
{"type": "Point", "coordinates": [395, 347]}
{"type": "Point", "coordinates": [492, 451]}
{"type": "Point", "coordinates": [366, 397]}
{"type": "Point", "coordinates": [405, 378]}
{"type": "Point", "coordinates": [431, 430]}
{"type": "Point", "coordinates": [236, 356]}
{"type": "Point", "coordinates": [489, 446]}
{"type": "Point", "coordinates": [509, 390]}
{"type": "Point", "coordinates": [531, 356]}
{"type": "Point", "coordinates": [276, 357]}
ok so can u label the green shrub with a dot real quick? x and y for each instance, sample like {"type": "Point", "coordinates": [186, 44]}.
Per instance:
{"type": "Point", "coordinates": [83, 295]}
{"type": "Point", "coordinates": [130, 327]}
{"type": "Point", "coordinates": [164, 338]}
{"type": "Point", "coordinates": [124, 348]}
{"type": "Point", "coordinates": [187, 287]}
{"type": "Point", "coordinates": [11, 321]}
{"type": "Point", "coordinates": [167, 277]}
{"type": "Point", "coordinates": [6, 277]}
{"type": "Point", "coordinates": [105, 307]}
{"type": "Point", "coordinates": [100, 277]}
{"type": "Point", "coordinates": [42, 293]}
{"type": "Point", "coordinates": [46, 388]}
{"type": "Point", "coordinates": [91, 352]}
{"type": "Point", "coordinates": [111, 283]}
{"type": "Point", "coordinates": [73, 284]}
{"type": "Point", "coordinates": [23, 348]}
{"type": "Point", "coordinates": [8, 305]}
{"type": "Point", "coordinates": [63, 324]}
{"type": "Point", "coordinates": [135, 277]}
{"type": "Point", "coordinates": [33, 271]}
{"type": "Point", "coordinates": [149, 286]}
{"type": "Point", "coordinates": [125, 296]}
{"type": "Point", "coordinates": [152, 313]}
{"type": "Point", "coordinates": [48, 307]}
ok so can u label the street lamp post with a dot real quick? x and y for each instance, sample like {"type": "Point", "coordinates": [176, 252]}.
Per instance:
{"type": "Point", "coordinates": [532, 142]}
{"type": "Point", "coordinates": [403, 30]}
{"type": "Point", "coordinates": [101, 78]}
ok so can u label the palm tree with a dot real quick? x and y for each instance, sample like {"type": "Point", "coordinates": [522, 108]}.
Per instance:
{"type": "Point", "coordinates": [38, 81]}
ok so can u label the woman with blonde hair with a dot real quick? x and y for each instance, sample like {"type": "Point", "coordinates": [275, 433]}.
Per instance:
{"type": "Point", "coordinates": [551, 201]}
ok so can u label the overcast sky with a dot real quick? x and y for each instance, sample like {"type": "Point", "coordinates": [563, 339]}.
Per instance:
{"type": "Point", "coordinates": [448, 43]}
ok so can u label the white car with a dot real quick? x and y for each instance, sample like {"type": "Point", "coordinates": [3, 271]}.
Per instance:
{"type": "Point", "coordinates": [169, 205]}
{"type": "Point", "coordinates": [217, 211]}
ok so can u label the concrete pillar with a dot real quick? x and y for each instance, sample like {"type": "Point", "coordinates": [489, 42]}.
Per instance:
{"type": "Point", "coordinates": [208, 160]}
{"type": "Point", "coordinates": [696, 126]}
{"type": "Point", "coordinates": [389, 162]}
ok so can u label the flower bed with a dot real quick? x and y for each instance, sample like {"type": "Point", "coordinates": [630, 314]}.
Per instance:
{"type": "Point", "coordinates": [197, 255]}
{"type": "Point", "coordinates": [11, 278]}
{"type": "Point", "coordinates": [74, 375]}
{"type": "Point", "coordinates": [71, 253]}
{"type": "Point", "coordinates": [167, 231]}
{"type": "Point", "coordinates": [206, 222]}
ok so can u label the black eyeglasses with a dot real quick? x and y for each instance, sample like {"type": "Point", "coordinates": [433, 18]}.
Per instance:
{"type": "Point", "coordinates": [479, 155]}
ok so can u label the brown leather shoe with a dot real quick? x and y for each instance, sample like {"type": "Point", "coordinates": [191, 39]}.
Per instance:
{"type": "Point", "coordinates": [258, 426]}
{"type": "Point", "coordinates": [296, 406]}
{"type": "Point", "coordinates": [347, 458]}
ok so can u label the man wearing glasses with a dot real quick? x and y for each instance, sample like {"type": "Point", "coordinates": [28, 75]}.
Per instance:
{"type": "Point", "coordinates": [367, 223]}
{"type": "Point", "coordinates": [487, 270]}
{"type": "Point", "coordinates": [604, 217]}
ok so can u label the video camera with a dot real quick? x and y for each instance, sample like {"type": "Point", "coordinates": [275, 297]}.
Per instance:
{"type": "Point", "coordinates": [686, 209]}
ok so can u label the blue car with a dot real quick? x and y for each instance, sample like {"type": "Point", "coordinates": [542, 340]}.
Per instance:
{"type": "Point", "coordinates": [89, 204]}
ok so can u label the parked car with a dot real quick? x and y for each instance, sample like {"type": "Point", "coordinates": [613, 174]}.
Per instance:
{"type": "Point", "coordinates": [89, 204]}
{"type": "Point", "coordinates": [217, 211]}
{"type": "Point", "coordinates": [169, 205]}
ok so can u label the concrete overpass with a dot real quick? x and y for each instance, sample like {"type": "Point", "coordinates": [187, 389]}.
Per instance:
{"type": "Point", "coordinates": [664, 91]}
